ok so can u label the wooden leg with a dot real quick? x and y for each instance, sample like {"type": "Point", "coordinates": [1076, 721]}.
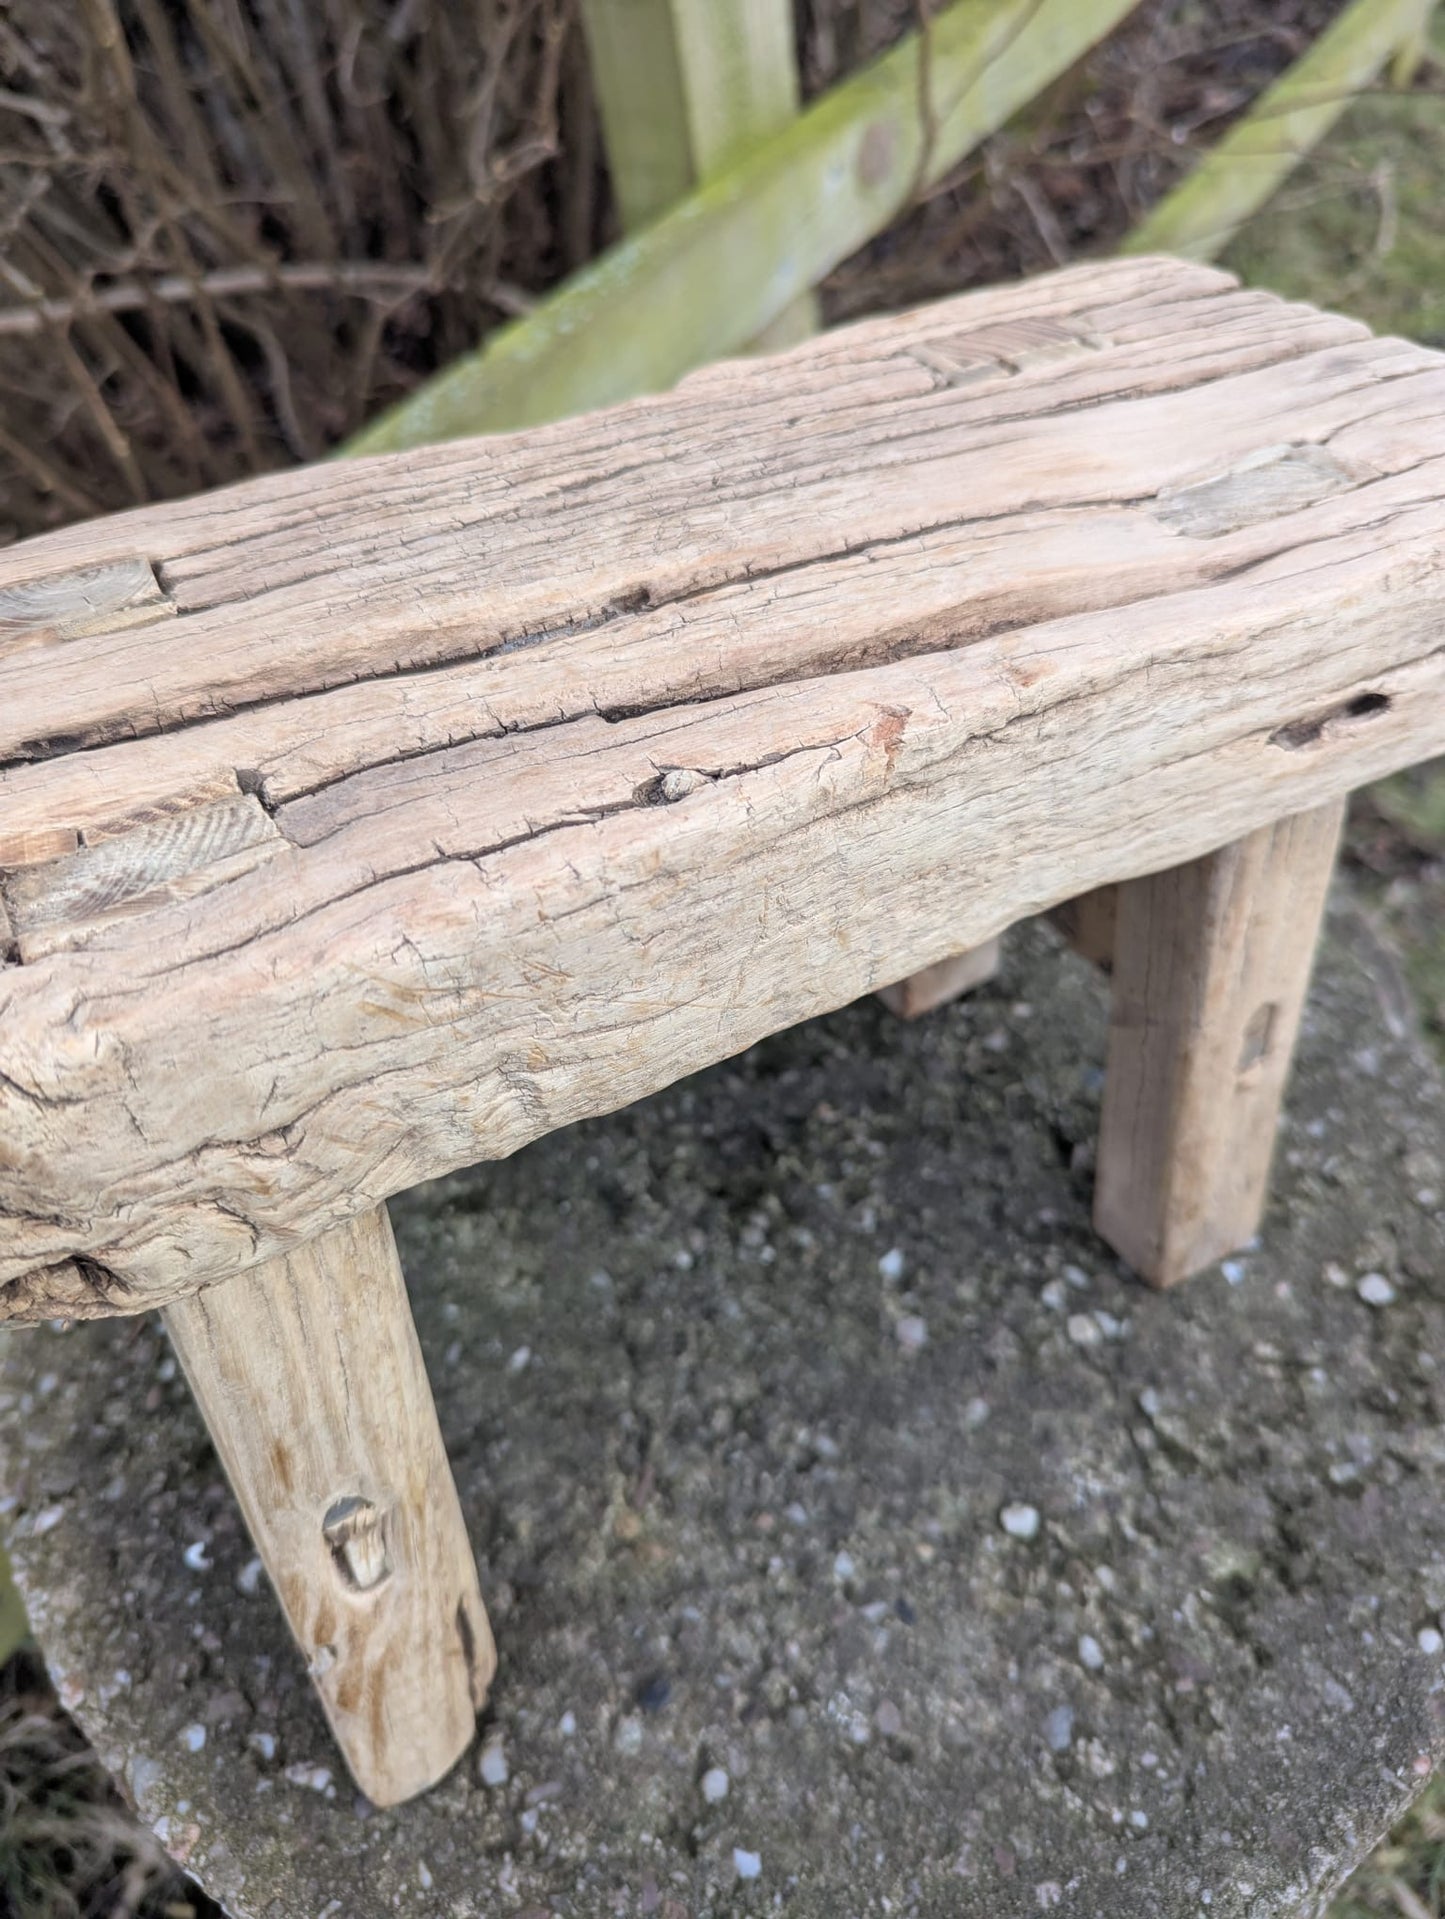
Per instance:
{"type": "Point", "coordinates": [1211, 965]}
{"type": "Point", "coordinates": [936, 985]}
{"type": "Point", "coordinates": [310, 1378]}
{"type": "Point", "coordinates": [1088, 923]}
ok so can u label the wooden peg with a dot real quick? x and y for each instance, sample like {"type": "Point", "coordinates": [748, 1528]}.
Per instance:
{"type": "Point", "coordinates": [311, 1380]}
{"type": "Point", "coordinates": [1211, 964]}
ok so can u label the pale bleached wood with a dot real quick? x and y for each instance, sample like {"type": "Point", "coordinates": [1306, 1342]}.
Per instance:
{"type": "Point", "coordinates": [708, 629]}
{"type": "Point", "coordinates": [679, 726]}
{"type": "Point", "coordinates": [553, 535]}
{"type": "Point", "coordinates": [1211, 964]}
{"type": "Point", "coordinates": [934, 986]}
{"type": "Point", "coordinates": [313, 1386]}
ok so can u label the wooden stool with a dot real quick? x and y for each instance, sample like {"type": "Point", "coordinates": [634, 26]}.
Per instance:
{"type": "Point", "coordinates": [361, 822]}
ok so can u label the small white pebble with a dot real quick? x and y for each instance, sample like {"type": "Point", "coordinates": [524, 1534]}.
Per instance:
{"type": "Point", "coordinates": [843, 1567]}
{"type": "Point", "coordinates": [423, 1875]}
{"type": "Point", "coordinates": [975, 1413]}
{"type": "Point", "coordinates": [1053, 1296]}
{"type": "Point", "coordinates": [263, 1743]}
{"type": "Point", "coordinates": [47, 1520]}
{"type": "Point", "coordinates": [520, 1360]}
{"type": "Point", "coordinates": [314, 1778]}
{"type": "Point", "coordinates": [628, 1737]}
{"type": "Point", "coordinates": [193, 1737]}
{"type": "Point", "coordinates": [1234, 1271]}
{"type": "Point", "coordinates": [1059, 1729]}
{"type": "Point", "coordinates": [492, 1767]}
{"type": "Point", "coordinates": [1139, 1820]}
{"type": "Point", "coordinates": [249, 1577]}
{"type": "Point", "coordinates": [911, 1332]}
{"type": "Point", "coordinates": [891, 1264]}
{"type": "Point", "coordinates": [567, 1724]}
{"type": "Point", "coordinates": [747, 1865]}
{"type": "Point", "coordinates": [1149, 1403]}
{"type": "Point", "coordinates": [1335, 1274]}
{"type": "Point", "coordinates": [195, 1557]}
{"type": "Point", "coordinates": [1091, 1653]}
{"type": "Point", "coordinates": [1083, 1331]}
{"type": "Point", "coordinates": [715, 1783]}
{"type": "Point", "coordinates": [1375, 1290]}
{"type": "Point", "coordinates": [1428, 1640]}
{"type": "Point", "coordinates": [1076, 1276]}
{"type": "Point", "coordinates": [1020, 1522]}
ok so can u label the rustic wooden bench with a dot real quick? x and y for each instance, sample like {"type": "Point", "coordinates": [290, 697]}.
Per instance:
{"type": "Point", "coordinates": [362, 822]}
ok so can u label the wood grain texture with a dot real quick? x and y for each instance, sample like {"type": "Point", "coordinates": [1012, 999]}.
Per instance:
{"type": "Point", "coordinates": [313, 1386]}
{"type": "Point", "coordinates": [596, 753]}
{"type": "Point", "coordinates": [1211, 964]}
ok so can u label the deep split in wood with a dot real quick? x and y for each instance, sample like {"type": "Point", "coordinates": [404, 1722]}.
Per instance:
{"type": "Point", "coordinates": [361, 823]}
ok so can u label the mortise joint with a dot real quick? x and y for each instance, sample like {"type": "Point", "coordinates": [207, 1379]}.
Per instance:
{"type": "Point", "coordinates": [1365, 706]}
{"type": "Point", "coordinates": [1259, 1036]}
{"type": "Point", "coordinates": [356, 1533]}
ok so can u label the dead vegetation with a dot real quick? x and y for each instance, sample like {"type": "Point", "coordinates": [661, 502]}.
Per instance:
{"type": "Point", "coordinates": [69, 1849]}
{"type": "Point", "coordinates": [235, 229]}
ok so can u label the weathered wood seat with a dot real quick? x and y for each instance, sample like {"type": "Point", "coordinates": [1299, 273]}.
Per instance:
{"type": "Point", "coordinates": [361, 822]}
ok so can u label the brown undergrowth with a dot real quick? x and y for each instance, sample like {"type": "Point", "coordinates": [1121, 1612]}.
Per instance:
{"type": "Point", "coordinates": [233, 230]}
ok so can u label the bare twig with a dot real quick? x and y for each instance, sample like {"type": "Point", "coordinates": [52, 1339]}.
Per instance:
{"type": "Point", "coordinates": [365, 277]}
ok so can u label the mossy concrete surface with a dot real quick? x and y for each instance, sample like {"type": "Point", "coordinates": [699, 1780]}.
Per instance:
{"type": "Point", "coordinates": [860, 1538]}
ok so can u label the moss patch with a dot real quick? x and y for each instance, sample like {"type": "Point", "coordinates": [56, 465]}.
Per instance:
{"type": "Point", "coordinates": [1359, 225]}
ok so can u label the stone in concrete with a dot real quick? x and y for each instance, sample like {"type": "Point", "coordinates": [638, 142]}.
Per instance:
{"type": "Point", "coordinates": [733, 1523]}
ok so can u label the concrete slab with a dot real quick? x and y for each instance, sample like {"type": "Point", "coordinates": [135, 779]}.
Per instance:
{"type": "Point", "coordinates": [859, 1537]}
